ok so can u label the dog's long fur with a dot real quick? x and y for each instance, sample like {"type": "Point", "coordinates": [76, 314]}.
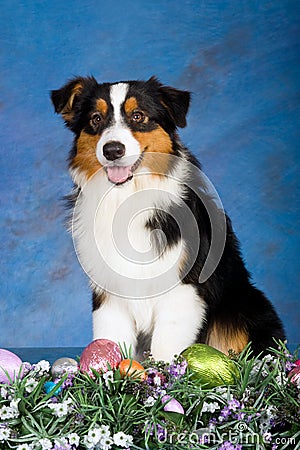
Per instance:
{"type": "Point", "coordinates": [143, 226]}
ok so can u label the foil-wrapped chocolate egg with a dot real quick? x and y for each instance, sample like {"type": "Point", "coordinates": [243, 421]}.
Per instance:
{"type": "Point", "coordinates": [100, 355]}
{"type": "Point", "coordinates": [10, 366]}
{"type": "Point", "coordinates": [172, 405]}
{"type": "Point", "coordinates": [62, 366]}
{"type": "Point", "coordinates": [49, 386]}
{"type": "Point", "coordinates": [210, 367]}
{"type": "Point", "coordinates": [132, 368]}
{"type": "Point", "coordinates": [294, 376]}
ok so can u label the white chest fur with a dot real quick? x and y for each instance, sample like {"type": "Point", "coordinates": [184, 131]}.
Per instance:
{"type": "Point", "coordinates": [143, 289]}
{"type": "Point", "coordinates": [113, 243]}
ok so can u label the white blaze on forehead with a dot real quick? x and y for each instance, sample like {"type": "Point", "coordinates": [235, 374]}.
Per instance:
{"type": "Point", "coordinates": [118, 94]}
{"type": "Point", "coordinates": [118, 131]}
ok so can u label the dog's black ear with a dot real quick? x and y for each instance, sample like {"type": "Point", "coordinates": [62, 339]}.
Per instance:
{"type": "Point", "coordinates": [66, 98]}
{"type": "Point", "coordinates": [176, 102]}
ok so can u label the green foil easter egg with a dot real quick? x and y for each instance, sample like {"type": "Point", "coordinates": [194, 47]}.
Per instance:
{"type": "Point", "coordinates": [210, 367]}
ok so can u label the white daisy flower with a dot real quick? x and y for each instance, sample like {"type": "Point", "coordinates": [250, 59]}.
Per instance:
{"type": "Point", "coordinates": [106, 443]}
{"type": "Point", "coordinates": [30, 385]}
{"type": "Point", "coordinates": [3, 392]}
{"type": "Point", "coordinates": [149, 401]}
{"type": "Point", "coordinates": [269, 358]}
{"type": "Point", "coordinates": [14, 406]}
{"type": "Point", "coordinates": [46, 444]}
{"type": "Point", "coordinates": [42, 367]}
{"type": "Point", "coordinates": [4, 433]}
{"type": "Point", "coordinates": [94, 435]}
{"type": "Point", "coordinates": [222, 391]}
{"type": "Point", "coordinates": [73, 439]}
{"type": "Point", "coordinates": [104, 431]}
{"type": "Point", "coordinates": [122, 440]}
{"type": "Point", "coordinates": [8, 412]}
{"type": "Point", "coordinates": [210, 407]}
{"type": "Point", "coordinates": [60, 409]}
{"type": "Point", "coordinates": [88, 443]}
{"type": "Point", "coordinates": [108, 377]}
{"type": "Point", "coordinates": [25, 447]}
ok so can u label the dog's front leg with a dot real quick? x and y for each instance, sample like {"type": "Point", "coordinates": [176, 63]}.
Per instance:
{"type": "Point", "coordinates": [113, 321]}
{"type": "Point", "coordinates": [179, 316]}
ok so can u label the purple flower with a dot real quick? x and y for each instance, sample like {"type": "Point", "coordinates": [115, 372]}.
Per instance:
{"type": "Point", "coordinates": [161, 433]}
{"type": "Point", "coordinates": [240, 415]}
{"type": "Point", "coordinates": [204, 439]}
{"type": "Point", "coordinates": [229, 446]}
{"type": "Point", "coordinates": [58, 446]}
{"type": "Point", "coordinates": [288, 355]}
{"type": "Point", "coordinates": [68, 381]}
{"type": "Point", "coordinates": [289, 366]}
{"type": "Point", "coordinates": [79, 418]}
{"type": "Point", "coordinates": [159, 430]}
{"type": "Point", "coordinates": [212, 423]}
{"type": "Point", "coordinates": [177, 369]}
{"type": "Point", "coordinates": [225, 413]}
{"type": "Point", "coordinates": [234, 404]}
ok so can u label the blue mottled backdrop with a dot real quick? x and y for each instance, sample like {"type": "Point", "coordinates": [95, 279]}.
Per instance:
{"type": "Point", "coordinates": [241, 61]}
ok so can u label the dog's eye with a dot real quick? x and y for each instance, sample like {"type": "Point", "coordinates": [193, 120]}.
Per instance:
{"type": "Point", "coordinates": [96, 119]}
{"type": "Point", "coordinates": [138, 117]}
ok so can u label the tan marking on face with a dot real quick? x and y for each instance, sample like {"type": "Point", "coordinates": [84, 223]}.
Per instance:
{"type": "Point", "coordinates": [225, 338]}
{"type": "Point", "coordinates": [102, 106]}
{"type": "Point", "coordinates": [86, 159]}
{"type": "Point", "coordinates": [157, 146]}
{"type": "Point", "coordinates": [67, 112]}
{"type": "Point", "coordinates": [130, 105]}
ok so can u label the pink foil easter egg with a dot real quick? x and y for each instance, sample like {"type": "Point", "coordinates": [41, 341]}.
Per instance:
{"type": "Point", "coordinates": [172, 405]}
{"type": "Point", "coordinates": [98, 355]}
{"type": "Point", "coordinates": [294, 376]}
{"type": "Point", "coordinates": [10, 366]}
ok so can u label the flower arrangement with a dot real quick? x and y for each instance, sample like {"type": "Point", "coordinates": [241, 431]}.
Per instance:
{"type": "Point", "coordinates": [166, 409]}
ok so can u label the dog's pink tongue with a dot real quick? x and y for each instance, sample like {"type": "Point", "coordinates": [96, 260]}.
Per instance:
{"type": "Point", "coordinates": [118, 174]}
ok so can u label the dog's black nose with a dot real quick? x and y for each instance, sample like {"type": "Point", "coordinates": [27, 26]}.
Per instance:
{"type": "Point", "coordinates": [113, 150]}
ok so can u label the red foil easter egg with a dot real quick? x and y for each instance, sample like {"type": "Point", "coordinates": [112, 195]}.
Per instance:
{"type": "Point", "coordinates": [10, 366]}
{"type": "Point", "coordinates": [99, 355]}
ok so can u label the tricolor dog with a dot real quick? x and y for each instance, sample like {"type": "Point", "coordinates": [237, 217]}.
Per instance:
{"type": "Point", "coordinates": [163, 261]}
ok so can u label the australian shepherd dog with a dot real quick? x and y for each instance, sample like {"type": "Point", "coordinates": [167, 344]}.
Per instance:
{"type": "Point", "coordinates": [149, 229]}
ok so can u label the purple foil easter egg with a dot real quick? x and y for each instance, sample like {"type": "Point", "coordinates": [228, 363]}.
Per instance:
{"type": "Point", "coordinates": [10, 367]}
{"type": "Point", "coordinates": [172, 405]}
{"type": "Point", "coordinates": [99, 355]}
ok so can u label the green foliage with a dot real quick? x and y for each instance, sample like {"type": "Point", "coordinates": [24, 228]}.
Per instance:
{"type": "Point", "coordinates": [106, 411]}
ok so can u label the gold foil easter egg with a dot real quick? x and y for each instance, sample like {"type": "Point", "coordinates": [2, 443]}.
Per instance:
{"type": "Point", "coordinates": [210, 366]}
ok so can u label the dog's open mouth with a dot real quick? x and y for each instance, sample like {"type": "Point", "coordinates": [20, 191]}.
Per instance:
{"type": "Point", "coordinates": [121, 174]}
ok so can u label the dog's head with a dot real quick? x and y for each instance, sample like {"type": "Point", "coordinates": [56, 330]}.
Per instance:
{"type": "Point", "coordinates": [120, 126]}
